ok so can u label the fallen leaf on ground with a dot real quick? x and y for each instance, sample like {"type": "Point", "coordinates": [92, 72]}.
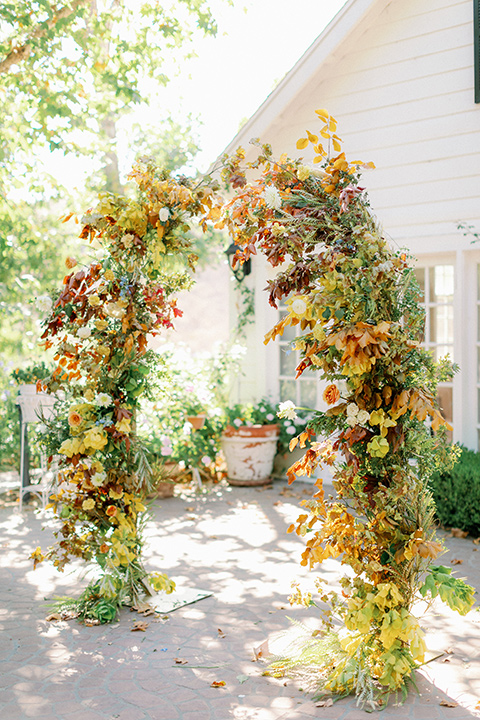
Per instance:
{"type": "Point", "coordinates": [139, 626]}
{"type": "Point", "coordinates": [448, 703]}
{"type": "Point", "coordinates": [53, 616]}
{"type": "Point", "coordinates": [218, 683]}
{"type": "Point", "coordinates": [446, 659]}
{"type": "Point", "coordinates": [190, 508]}
{"type": "Point", "coordinates": [277, 502]}
{"type": "Point", "coordinates": [242, 678]}
{"type": "Point", "coordinates": [324, 703]}
{"type": "Point", "coordinates": [180, 661]}
{"type": "Point", "coordinates": [261, 651]}
{"type": "Point", "coordinates": [456, 561]}
{"type": "Point", "coordinates": [456, 532]}
{"type": "Point", "coordinates": [476, 541]}
{"type": "Point", "coordinates": [220, 633]}
{"type": "Point", "coordinates": [144, 608]}
{"type": "Point", "coordinates": [90, 622]}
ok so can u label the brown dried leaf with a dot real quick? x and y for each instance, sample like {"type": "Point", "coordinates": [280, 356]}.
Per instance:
{"type": "Point", "coordinates": [476, 541]}
{"type": "Point", "coordinates": [456, 561]}
{"type": "Point", "coordinates": [53, 616]}
{"type": "Point", "coordinates": [261, 651]}
{"type": "Point", "coordinates": [456, 532]}
{"type": "Point", "coordinates": [220, 633]}
{"type": "Point", "coordinates": [324, 703]}
{"type": "Point", "coordinates": [180, 661]}
{"type": "Point", "coordinates": [139, 626]}
{"type": "Point", "coordinates": [277, 502]}
{"type": "Point", "coordinates": [448, 703]}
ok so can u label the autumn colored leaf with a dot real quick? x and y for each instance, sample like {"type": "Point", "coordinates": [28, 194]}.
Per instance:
{"type": "Point", "coordinates": [218, 683]}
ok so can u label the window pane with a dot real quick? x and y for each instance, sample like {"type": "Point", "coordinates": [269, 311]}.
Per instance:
{"type": "Point", "coordinates": [288, 361]}
{"type": "Point", "coordinates": [441, 283]}
{"type": "Point", "coordinates": [288, 391]}
{"type": "Point", "coordinates": [441, 324]}
{"type": "Point", "coordinates": [308, 393]}
{"type": "Point", "coordinates": [420, 275]}
{"type": "Point", "coordinates": [441, 351]}
{"type": "Point", "coordinates": [445, 400]}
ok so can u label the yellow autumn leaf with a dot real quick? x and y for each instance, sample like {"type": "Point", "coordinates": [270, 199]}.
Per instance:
{"type": "Point", "coordinates": [318, 158]}
{"type": "Point", "coordinates": [324, 133]}
{"type": "Point", "coordinates": [323, 114]}
{"type": "Point", "coordinates": [313, 138]}
{"type": "Point", "coordinates": [319, 149]}
{"type": "Point", "coordinates": [336, 145]}
{"type": "Point", "coordinates": [302, 143]}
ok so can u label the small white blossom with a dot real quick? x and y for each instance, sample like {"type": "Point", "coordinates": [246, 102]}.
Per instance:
{"type": "Point", "coordinates": [44, 303]}
{"type": "Point", "coordinates": [272, 198]}
{"type": "Point", "coordinates": [291, 430]}
{"type": "Point", "coordinates": [270, 417]}
{"type": "Point", "coordinates": [299, 306]}
{"type": "Point", "coordinates": [98, 479]}
{"type": "Point", "coordinates": [103, 399]}
{"type": "Point", "coordinates": [206, 460]}
{"type": "Point", "coordinates": [287, 410]}
{"type": "Point", "coordinates": [84, 332]}
{"type": "Point", "coordinates": [164, 214]}
{"type": "Point", "coordinates": [237, 422]}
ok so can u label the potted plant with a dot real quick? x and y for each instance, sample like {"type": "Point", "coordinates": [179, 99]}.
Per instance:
{"type": "Point", "coordinates": [253, 436]}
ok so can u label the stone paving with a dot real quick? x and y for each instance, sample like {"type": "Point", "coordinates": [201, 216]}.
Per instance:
{"type": "Point", "coordinates": [228, 541]}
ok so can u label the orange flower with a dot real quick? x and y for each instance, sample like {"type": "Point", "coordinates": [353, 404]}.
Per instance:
{"type": "Point", "coordinates": [104, 547]}
{"type": "Point", "coordinates": [111, 510]}
{"type": "Point", "coordinates": [70, 262]}
{"type": "Point", "coordinates": [331, 394]}
{"type": "Point", "coordinates": [74, 419]}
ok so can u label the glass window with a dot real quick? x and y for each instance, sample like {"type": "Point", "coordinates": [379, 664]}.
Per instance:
{"type": "Point", "coordinates": [437, 283]}
{"type": "Point", "coordinates": [304, 390]}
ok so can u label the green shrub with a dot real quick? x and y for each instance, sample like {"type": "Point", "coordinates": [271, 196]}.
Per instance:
{"type": "Point", "coordinates": [457, 493]}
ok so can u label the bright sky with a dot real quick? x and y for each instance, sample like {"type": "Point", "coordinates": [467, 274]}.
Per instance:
{"type": "Point", "coordinates": [258, 42]}
{"type": "Point", "coordinates": [235, 71]}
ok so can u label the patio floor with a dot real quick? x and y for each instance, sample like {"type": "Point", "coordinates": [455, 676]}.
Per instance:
{"type": "Point", "coordinates": [231, 542]}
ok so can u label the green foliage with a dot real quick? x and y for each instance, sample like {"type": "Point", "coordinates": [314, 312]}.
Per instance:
{"type": "Point", "coordinates": [189, 386]}
{"type": "Point", "coordinates": [264, 412]}
{"type": "Point", "coordinates": [453, 591]}
{"type": "Point", "coordinates": [70, 73]}
{"type": "Point", "coordinates": [456, 491]}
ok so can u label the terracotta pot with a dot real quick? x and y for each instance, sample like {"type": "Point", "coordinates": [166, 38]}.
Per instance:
{"type": "Point", "coordinates": [249, 453]}
{"type": "Point", "coordinates": [196, 421]}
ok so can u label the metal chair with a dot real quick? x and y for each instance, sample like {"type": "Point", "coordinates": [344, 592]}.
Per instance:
{"type": "Point", "coordinates": [33, 408]}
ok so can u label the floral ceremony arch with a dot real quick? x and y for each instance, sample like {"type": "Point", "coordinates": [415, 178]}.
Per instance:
{"type": "Point", "coordinates": [355, 302]}
{"type": "Point", "coordinates": [98, 327]}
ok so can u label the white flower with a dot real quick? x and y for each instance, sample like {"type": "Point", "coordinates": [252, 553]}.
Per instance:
{"type": "Point", "coordinates": [272, 198]}
{"type": "Point", "coordinates": [103, 399]}
{"type": "Point", "coordinates": [84, 332]}
{"type": "Point", "coordinates": [237, 422]}
{"type": "Point", "coordinates": [363, 417]}
{"type": "Point", "coordinates": [98, 479]}
{"type": "Point", "coordinates": [44, 303]}
{"type": "Point", "coordinates": [127, 240]}
{"type": "Point", "coordinates": [206, 460]}
{"type": "Point", "coordinates": [352, 409]}
{"type": "Point", "coordinates": [291, 430]}
{"type": "Point", "coordinates": [164, 214]}
{"type": "Point", "coordinates": [287, 410]}
{"type": "Point", "coordinates": [299, 306]}
{"type": "Point", "coordinates": [270, 417]}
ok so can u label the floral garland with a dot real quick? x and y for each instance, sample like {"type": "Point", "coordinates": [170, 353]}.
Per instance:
{"type": "Point", "coordinates": [356, 302]}
{"type": "Point", "coordinates": [99, 327]}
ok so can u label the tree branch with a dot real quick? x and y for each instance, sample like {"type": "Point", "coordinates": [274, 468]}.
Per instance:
{"type": "Point", "coordinates": [19, 54]}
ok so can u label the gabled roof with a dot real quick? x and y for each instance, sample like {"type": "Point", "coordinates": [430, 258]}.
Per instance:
{"type": "Point", "coordinates": [300, 75]}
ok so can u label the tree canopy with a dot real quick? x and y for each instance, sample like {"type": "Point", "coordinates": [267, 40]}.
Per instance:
{"type": "Point", "coordinates": [69, 72]}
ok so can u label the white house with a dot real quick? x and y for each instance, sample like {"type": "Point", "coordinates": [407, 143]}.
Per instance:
{"type": "Point", "coordinates": [402, 78]}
